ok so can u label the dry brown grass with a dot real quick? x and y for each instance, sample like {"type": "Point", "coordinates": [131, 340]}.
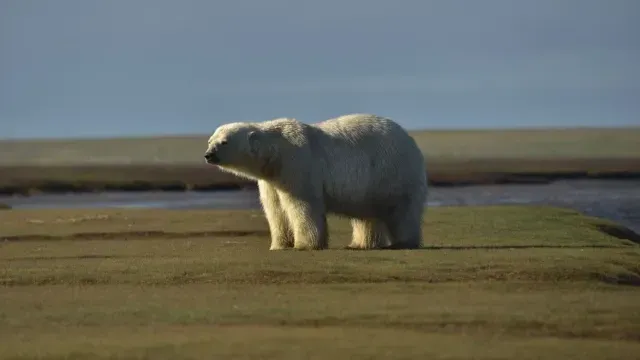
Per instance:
{"type": "Point", "coordinates": [166, 177]}
{"type": "Point", "coordinates": [479, 144]}
{"type": "Point", "coordinates": [497, 282]}
{"type": "Point", "coordinates": [454, 157]}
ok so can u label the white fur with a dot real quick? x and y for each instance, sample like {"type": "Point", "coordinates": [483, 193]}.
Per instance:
{"type": "Point", "coordinates": [361, 166]}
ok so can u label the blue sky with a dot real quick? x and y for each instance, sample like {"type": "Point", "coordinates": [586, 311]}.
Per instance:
{"type": "Point", "coordinates": [74, 68]}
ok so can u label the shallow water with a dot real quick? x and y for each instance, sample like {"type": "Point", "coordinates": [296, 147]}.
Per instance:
{"type": "Point", "coordinates": [618, 200]}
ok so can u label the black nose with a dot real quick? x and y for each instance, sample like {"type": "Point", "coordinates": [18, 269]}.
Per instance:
{"type": "Point", "coordinates": [211, 157]}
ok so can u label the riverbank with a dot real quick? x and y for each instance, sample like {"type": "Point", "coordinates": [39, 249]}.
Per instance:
{"type": "Point", "coordinates": [616, 200]}
{"type": "Point", "coordinates": [455, 158]}
{"type": "Point", "coordinates": [491, 282]}
{"type": "Point", "coordinates": [32, 179]}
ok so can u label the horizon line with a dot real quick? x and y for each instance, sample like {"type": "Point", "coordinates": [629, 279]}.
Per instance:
{"type": "Point", "coordinates": [151, 136]}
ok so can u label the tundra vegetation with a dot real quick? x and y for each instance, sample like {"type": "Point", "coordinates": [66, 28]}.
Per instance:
{"type": "Point", "coordinates": [493, 282]}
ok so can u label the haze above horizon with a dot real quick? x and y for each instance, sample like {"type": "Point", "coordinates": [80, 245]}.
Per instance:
{"type": "Point", "coordinates": [88, 68]}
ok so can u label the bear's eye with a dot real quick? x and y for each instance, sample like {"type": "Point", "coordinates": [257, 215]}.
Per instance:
{"type": "Point", "coordinates": [223, 142]}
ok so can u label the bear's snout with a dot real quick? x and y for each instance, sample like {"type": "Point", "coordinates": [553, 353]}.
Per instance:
{"type": "Point", "coordinates": [211, 157]}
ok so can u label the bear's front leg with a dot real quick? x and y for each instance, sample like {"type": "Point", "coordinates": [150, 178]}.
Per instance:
{"type": "Point", "coordinates": [308, 221]}
{"type": "Point", "coordinates": [281, 234]}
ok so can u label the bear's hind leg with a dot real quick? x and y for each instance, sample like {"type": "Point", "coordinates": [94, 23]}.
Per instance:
{"type": "Point", "coordinates": [308, 221]}
{"type": "Point", "coordinates": [405, 225]}
{"type": "Point", "coordinates": [281, 234]}
{"type": "Point", "coordinates": [368, 234]}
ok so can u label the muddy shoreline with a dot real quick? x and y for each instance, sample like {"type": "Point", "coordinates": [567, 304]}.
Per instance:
{"type": "Point", "coordinates": [61, 187]}
{"type": "Point", "coordinates": [60, 179]}
{"type": "Point", "coordinates": [616, 200]}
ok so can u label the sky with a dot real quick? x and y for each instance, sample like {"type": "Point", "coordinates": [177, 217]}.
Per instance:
{"type": "Point", "coordinates": [101, 68]}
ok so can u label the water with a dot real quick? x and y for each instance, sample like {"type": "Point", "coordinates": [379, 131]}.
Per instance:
{"type": "Point", "coordinates": [617, 200]}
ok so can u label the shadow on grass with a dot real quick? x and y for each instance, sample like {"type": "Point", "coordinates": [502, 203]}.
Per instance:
{"type": "Point", "coordinates": [154, 235]}
{"type": "Point", "coordinates": [134, 235]}
{"type": "Point", "coordinates": [81, 257]}
{"type": "Point", "coordinates": [619, 232]}
{"type": "Point", "coordinates": [495, 247]}
{"type": "Point", "coordinates": [623, 279]}
{"type": "Point", "coordinates": [525, 246]}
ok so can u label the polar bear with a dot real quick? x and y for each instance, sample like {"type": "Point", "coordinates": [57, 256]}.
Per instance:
{"type": "Point", "coordinates": [361, 166]}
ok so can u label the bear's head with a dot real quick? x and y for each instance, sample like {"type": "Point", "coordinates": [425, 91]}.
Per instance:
{"type": "Point", "coordinates": [243, 149]}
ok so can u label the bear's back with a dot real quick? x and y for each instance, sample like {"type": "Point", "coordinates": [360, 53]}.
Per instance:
{"type": "Point", "coordinates": [360, 127]}
{"type": "Point", "coordinates": [365, 133]}
{"type": "Point", "coordinates": [365, 158]}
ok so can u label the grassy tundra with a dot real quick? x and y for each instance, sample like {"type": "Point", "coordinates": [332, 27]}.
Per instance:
{"type": "Point", "coordinates": [455, 157]}
{"type": "Point", "coordinates": [498, 282]}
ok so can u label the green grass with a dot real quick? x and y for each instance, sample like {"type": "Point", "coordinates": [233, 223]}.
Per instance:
{"type": "Point", "coordinates": [497, 282]}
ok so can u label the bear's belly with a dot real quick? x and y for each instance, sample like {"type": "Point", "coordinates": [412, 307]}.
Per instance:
{"type": "Point", "coordinates": [360, 208]}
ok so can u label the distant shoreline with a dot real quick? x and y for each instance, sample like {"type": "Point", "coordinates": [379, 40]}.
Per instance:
{"type": "Point", "coordinates": [32, 179]}
{"type": "Point", "coordinates": [454, 158]}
